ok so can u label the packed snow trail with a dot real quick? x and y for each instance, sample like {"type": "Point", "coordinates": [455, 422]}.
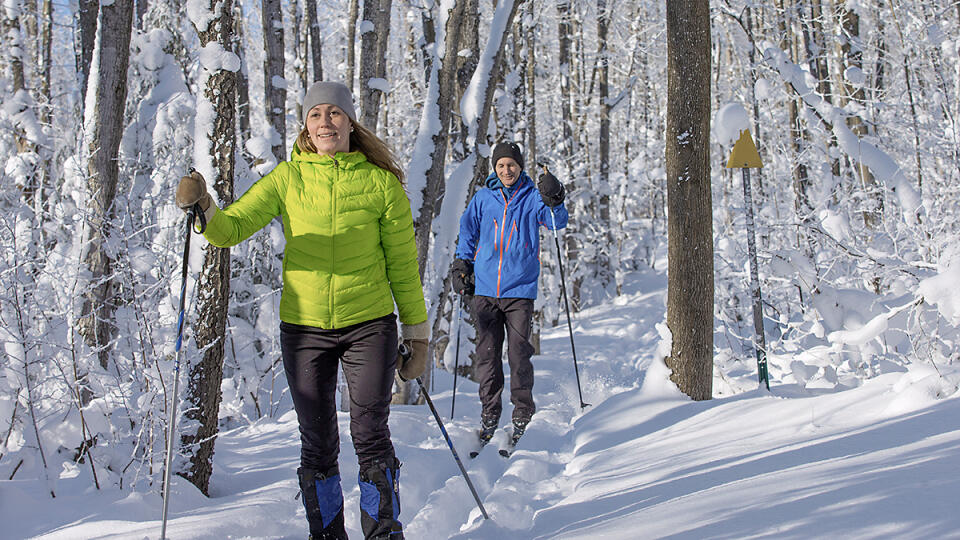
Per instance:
{"type": "Point", "coordinates": [874, 460]}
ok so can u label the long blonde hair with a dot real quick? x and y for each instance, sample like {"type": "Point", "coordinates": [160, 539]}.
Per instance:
{"type": "Point", "coordinates": [365, 141]}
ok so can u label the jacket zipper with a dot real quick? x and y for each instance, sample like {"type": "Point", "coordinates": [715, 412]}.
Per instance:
{"type": "Point", "coordinates": [506, 203]}
{"type": "Point", "coordinates": [333, 234]}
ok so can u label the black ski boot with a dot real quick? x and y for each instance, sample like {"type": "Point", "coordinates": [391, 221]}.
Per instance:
{"type": "Point", "coordinates": [323, 501]}
{"type": "Point", "coordinates": [380, 501]}
{"type": "Point", "coordinates": [519, 426]}
{"type": "Point", "coordinates": [488, 426]}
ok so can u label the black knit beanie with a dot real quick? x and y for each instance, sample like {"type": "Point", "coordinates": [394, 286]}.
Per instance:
{"type": "Point", "coordinates": [507, 149]}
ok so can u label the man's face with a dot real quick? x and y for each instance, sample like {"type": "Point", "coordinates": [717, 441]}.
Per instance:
{"type": "Point", "coordinates": [507, 170]}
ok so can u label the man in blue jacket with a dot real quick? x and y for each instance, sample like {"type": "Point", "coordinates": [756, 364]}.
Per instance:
{"type": "Point", "coordinates": [498, 261]}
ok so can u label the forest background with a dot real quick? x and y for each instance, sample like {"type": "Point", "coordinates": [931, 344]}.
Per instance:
{"type": "Point", "coordinates": [854, 106]}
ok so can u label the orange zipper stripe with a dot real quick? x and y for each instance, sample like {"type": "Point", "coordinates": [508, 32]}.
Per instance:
{"type": "Point", "coordinates": [511, 235]}
{"type": "Point", "coordinates": [506, 203]}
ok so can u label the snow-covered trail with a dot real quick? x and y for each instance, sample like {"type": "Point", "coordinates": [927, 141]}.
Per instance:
{"type": "Point", "coordinates": [878, 460]}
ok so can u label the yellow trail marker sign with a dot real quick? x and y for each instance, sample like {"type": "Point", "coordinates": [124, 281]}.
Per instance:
{"type": "Point", "coordinates": [744, 154]}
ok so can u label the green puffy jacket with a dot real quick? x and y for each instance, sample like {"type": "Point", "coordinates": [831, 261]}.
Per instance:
{"type": "Point", "coordinates": [350, 249]}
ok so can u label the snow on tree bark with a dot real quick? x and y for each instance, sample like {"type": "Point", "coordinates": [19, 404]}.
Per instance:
{"type": "Point", "coordinates": [104, 127]}
{"type": "Point", "coordinates": [215, 150]}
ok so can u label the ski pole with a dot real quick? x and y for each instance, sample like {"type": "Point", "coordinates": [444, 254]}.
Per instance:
{"type": "Point", "coordinates": [566, 303]}
{"type": "Point", "coordinates": [194, 214]}
{"type": "Point", "coordinates": [456, 360]}
{"type": "Point", "coordinates": [405, 353]}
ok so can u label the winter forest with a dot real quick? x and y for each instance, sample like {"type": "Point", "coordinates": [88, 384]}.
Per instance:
{"type": "Point", "coordinates": [851, 231]}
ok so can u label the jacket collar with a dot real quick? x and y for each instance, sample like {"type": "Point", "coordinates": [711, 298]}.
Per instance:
{"type": "Point", "coordinates": [493, 182]}
{"type": "Point", "coordinates": [343, 159]}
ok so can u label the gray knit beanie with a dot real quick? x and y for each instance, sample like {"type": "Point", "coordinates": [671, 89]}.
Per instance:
{"type": "Point", "coordinates": [507, 149]}
{"type": "Point", "coordinates": [333, 93]}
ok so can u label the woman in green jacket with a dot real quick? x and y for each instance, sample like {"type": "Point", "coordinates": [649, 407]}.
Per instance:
{"type": "Point", "coordinates": [350, 256]}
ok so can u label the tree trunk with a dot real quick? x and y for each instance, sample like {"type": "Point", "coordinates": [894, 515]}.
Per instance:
{"type": "Point", "coordinates": [243, 81]}
{"type": "Point", "coordinates": [566, 145]}
{"type": "Point", "coordinates": [316, 46]}
{"type": "Point", "coordinates": [202, 402]}
{"type": "Point", "coordinates": [87, 28]}
{"type": "Point", "coordinates": [852, 53]}
{"type": "Point", "coordinates": [485, 106]}
{"type": "Point", "coordinates": [434, 189]}
{"type": "Point", "coordinates": [604, 266]}
{"type": "Point", "coordinates": [530, 74]}
{"type": "Point", "coordinates": [274, 84]}
{"type": "Point", "coordinates": [13, 21]}
{"type": "Point", "coordinates": [104, 128]}
{"type": "Point", "coordinates": [566, 93]}
{"type": "Point", "coordinates": [373, 59]}
{"type": "Point", "coordinates": [351, 42]}
{"type": "Point", "coordinates": [46, 45]}
{"type": "Point", "coordinates": [465, 53]}
{"type": "Point", "coordinates": [301, 65]}
{"type": "Point", "coordinates": [142, 6]}
{"type": "Point", "coordinates": [690, 237]}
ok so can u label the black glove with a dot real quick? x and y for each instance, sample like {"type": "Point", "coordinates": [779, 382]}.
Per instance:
{"type": "Point", "coordinates": [461, 276]}
{"type": "Point", "coordinates": [551, 190]}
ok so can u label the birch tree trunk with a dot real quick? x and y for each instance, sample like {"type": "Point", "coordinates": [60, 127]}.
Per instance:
{"type": "Point", "coordinates": [104, 127]}
{"type": "Point", "coordinates": [690, 236]}
{"type": "Point", "coordinates": [274, 84]}
{"type": "Point", "coordinates": [375, 30]}
{"type": "Point", "coordinates": [202, 405]}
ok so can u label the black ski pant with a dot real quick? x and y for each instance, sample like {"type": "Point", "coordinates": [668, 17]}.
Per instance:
{"type": "Point", "coordinates": [495, 317]}
{"type": "Point", "coordinates": [368, 353]}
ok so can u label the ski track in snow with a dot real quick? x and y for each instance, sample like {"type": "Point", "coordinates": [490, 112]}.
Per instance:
{"type": "Point", "coordinates": [876, 461]}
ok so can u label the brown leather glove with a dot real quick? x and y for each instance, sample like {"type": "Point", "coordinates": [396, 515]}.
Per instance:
{"type": "Point", "coordinates": [415, 338]}
{"type": "Point", "coordinates": [193, 190]}
{"type": "Point", "coordinates": [413, 366]}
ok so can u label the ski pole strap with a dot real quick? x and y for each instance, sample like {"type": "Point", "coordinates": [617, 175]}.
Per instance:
{"type": "Point", "coordinates": [200, 218]}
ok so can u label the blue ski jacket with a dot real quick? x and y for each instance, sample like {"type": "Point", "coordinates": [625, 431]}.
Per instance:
{"type": "Point", "coordinates": [500, 233]}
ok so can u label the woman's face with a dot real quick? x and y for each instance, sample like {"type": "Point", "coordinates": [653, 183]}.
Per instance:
{"type": "Point", "coordinates": [329, 129]}
{"type": "Point", "coordinates": [507, 170]}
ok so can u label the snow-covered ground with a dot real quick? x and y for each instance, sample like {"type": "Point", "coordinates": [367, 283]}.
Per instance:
{"type": "Point", "coordinates": [876, 460]}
